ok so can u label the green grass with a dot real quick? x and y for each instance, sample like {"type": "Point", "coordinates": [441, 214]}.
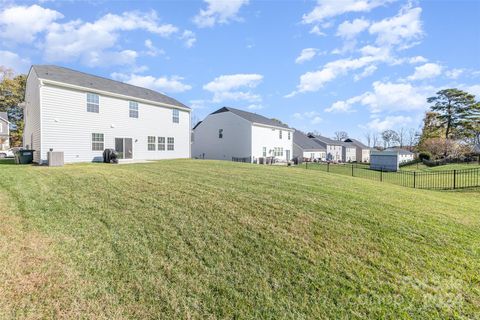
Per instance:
{"type": "Point", "coordinates": [205, 239]}
{"type": "Point", "coordinates": [453, 166]}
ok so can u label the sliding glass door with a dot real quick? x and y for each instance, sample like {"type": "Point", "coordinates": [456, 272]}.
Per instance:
{"type": "Point", "coordinates": [124, 148]}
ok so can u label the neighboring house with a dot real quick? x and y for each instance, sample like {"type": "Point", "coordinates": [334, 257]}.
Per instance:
{"type": "Point", "coordinates": [403, 155]}
{"type": "Point", "coordinates": [306, 148]}
{"type": "Point", "coordinates": [233, 134]}
{"type": "Point", "coordinates": [349, 152]}
{"type": "Point", "coordinates": [4, 131]}
{"type": "Point", "coordinates": [334, 151]}
{"type": "Point", "coordinates": [82, 115]}
{"type": "Point", "coordinates": [362, 151]}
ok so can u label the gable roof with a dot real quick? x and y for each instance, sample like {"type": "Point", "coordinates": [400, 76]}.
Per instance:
{"type": "Point", "coordinates": [253, 117]}
{"type": "Point", "coordinates": [199, 122]}
{"type": "Point", "coordinates": [89, 81]}
{"type": "Point", "coordinates": [356, 143]}
{"type": "Point", "coordinates": [304, 142]}
{"type": "Point", "coordinates": [326, 140]}
{"type": "Point", "coordinates": [4, 116]}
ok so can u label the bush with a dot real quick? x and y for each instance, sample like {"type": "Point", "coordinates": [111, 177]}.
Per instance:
{"type": "Point", "coordinates": [425, 155]}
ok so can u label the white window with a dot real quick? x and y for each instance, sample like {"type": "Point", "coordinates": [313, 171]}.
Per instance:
{"type": "Point", "coordinates": [289, 135]}
{"type": "Point", "coordinates": [280, 134]}
{"type": "Point", "coordinates": [220, 133]}
{"type": "Point", "coordinates": [97, 141]}
{"type": "Point", "coordinates": [151, 143]}
{"type": "Point", "coordinates": [93, 103]}
{"type": "Point", "coordinates": [175, 116]}
{"type": "Point", "coordinates": [161, 143]}
{"type": "Point", "coordinates": [278, 152]}
{"type": "Point", "coordinates": [170, 144]}
{"type": "Point", "coordinates": [133, 109]}
{"type": "Point", "coordinates": [264, 151]}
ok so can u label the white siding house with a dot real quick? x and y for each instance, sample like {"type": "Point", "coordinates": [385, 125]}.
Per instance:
{"type": "Point", "coordinates": [349, 152]}
{"type": "Point", "coordinates": [82, 114]}
{"type": "Point", "coordinates": [233, 134]}
{"type": "Point", "coordinates": [4, 131]}
{"type": "Point", "coordinates": [362, 151]}
{"type": "Point", "coordinates": [334, 149]}
{"type": "Point", "coordinates": [403, 155]}
{"type": "Point", "coordinates": [306, 148]}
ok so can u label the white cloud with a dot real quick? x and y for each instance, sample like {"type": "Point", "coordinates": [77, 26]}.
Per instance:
{"type": "Point", "coordinates": [402, 30]}
{"type": "Point", "coordinates": [152, 50]}
{"type": "Point", "coordinates": [316, 30]}
{"type": "Point", "coordinates": [306, 55]}
{"type": "Point", "coordinates": [368, 71]}
{"type": "Point", "coordinates": [343, 106]}
{"type": "Point", "coordinates": [189, 38]}
{"type": "Point", "coordinates": [22, 24]}
{"type": "Point", "coordinates": [313, 117]}
{"type": "Point", "coordinates": [232, 87]}
{"type": "Point", "coordinates": [390, 97]}
{"type": "Point", "coordinates": [474, 89]}
{"type": "Point", "coordinates": [389, 122]}
{"type": "Point", "coordinates": [315, 80]}
{"type": "Point", "coordinates": [454, 73]}
{"type": "Point", "coordinates": [349, 29]}
{"type": "Point", "coordinates": [326, 9]}
{"type": "Point", "coordinates": [255, 107]}
{"type": "Point", "coordinates": [428, 70]}
{"type": "Point", "coordinates": [171, 84]}
{"type": "Point", "coordinates": [219, 12]}
{"type": "Point", "coordinates": [13, 61]}
{"type": "Point", "coordinates": [417, 59]}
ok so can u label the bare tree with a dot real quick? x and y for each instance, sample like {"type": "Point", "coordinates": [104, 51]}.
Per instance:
{"type": "Point", "coordinates": [341, 135]}
{"type": "Point", "coordinates": [389, 137]}
{"type": "Point", "coordinates": [402, 136]}
{"type": "Point", "coordinates": [368, 137]}
{"type": "Point", "coordinates": [413, 136]}
{"type": "Point", "coordinates": [375, 139]}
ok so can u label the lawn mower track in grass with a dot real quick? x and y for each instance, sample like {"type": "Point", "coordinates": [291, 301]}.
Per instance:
{"type": "Point", "coordinates": [209, 239]}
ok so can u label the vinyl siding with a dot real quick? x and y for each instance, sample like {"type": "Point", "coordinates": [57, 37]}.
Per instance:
{"type": "Point", "coordinates": [68, 127]}
{"type": "Point", "coordinates": [236, 141]}
{"type": "Point", "coordinates": [32, 133]}
{"type": "Point", "coordinates": [269, 138]}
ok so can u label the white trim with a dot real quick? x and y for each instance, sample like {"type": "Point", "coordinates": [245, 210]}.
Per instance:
{"type": "Point", "coordinates": [273, 127]}
{"type": "Point", "coordinates": [111, 94]}
{"type": "Point", "coordinates": [6, 120]}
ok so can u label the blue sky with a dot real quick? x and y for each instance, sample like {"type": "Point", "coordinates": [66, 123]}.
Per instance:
{"type": "Point", "coordinates": [357, 66]}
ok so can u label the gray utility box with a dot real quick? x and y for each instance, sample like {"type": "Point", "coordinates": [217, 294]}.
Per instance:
{"type": "Point", "coordinates": [55, 158]}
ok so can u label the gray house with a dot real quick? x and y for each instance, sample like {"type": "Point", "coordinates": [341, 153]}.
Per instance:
{"type": "Point", "coordinates": [4, 131]}
{"type": "Point", "coordinates": [361, 150]}
{"type": "Point", "coordinates": [306, 148]}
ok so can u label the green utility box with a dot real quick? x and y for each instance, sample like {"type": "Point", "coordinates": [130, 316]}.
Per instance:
{"type": "Point", "coordinates": [24, 156]}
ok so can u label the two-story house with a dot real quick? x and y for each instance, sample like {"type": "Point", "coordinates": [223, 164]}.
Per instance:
{"type": "Point", "coordinates": [82, 115]}
{"type": "Point", "coordinates": [334, 149]}
{"type": "Point", "coordinates": [4, 131]}
{"type": "Point", "coordinates": [306, 148]}
{"type": "Point", "coordinates": [233, 134]}
{"type": "Point", "coordinates": [362, 151]}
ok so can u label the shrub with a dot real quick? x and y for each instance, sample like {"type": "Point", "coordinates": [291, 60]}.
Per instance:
{"type": "Point", "coordinates": [425, 155]}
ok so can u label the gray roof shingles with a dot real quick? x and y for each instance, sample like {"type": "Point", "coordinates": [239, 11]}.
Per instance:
{"type": "Point", "coordinates": [253, 117]}
{"type": "Point", "coordinates": [69, 76]}
{"type": "Point", "coordinates": [306, 143]}
{"type": "Point", "coordinates": [327, 141]}
{"type": "Point", "coordinates": [356, 143]}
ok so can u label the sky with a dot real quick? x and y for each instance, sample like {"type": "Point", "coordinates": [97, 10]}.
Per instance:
{"type": "Point", "coordinates": [326, 66]}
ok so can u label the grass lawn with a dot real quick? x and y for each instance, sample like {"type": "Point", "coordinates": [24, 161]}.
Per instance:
{"type": "Point", "coordinates": [453, 166]}
{"type": "Point", "coordinates": [206, 239]}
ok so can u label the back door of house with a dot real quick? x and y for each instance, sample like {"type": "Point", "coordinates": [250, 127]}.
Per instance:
{"type": "Point", "coordinates": [288, 154]}
{"type": "Point", "coordinates": [124, 147]}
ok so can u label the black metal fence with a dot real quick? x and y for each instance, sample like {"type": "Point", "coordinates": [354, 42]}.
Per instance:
{"type": "Point", "coordinates": [244, 159]}
{"type": "Point", "coordinates": [446, 179]}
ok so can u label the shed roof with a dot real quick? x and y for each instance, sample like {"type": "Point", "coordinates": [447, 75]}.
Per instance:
{"type": "Point", "coordinates": [89, 81]}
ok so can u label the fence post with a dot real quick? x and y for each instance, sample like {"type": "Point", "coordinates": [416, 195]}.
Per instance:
{"type": "Point", "coordinates": [328, 166]}
{"type": "Point", "coordinates": [306, 165]}
{"type": "Point", "coordinates": [454, 178]}
{"type": "Point", "coordinates": [414, 179]}
{"type": "Point", "coordinates": [381, 174]}
{"type": "Point", "coordinates": [352, 170]}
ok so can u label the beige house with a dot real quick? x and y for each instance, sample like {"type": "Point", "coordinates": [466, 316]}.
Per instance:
{"type": "Point", "coordinates": [362, 151]}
